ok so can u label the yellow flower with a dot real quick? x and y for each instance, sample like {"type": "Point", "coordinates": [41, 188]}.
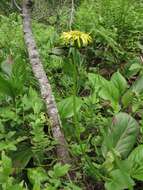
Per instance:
{"type": "Point", "coordinates": [76, 38]}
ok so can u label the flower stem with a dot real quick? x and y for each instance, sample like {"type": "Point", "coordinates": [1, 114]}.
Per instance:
{"type": "Point", "coordinates": [75, 93]}
{"type": "Point", "coordinates": [75, 117]}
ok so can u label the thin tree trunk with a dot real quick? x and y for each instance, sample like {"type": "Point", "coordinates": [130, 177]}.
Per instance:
{"type": "Point", "coordinates": [45, 88]}
{"type": "Point", "coordinates": [71, 14]}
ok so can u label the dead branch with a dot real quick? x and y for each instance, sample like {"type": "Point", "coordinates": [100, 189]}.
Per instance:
{"type": "Point", "coordinates": [45, 88]}
{"type": "Point", "coordinates": [16, 5]}
{"type": "Point", "coordinates": [71, 15]}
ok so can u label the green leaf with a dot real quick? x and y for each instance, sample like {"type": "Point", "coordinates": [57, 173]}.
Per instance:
{"type": "Point", "coordinates": [137, 86]}
{"type": "Point", "coordinates": [14, 84]}
{"type": "Point", "coordinates": [32, 101]}
{"type": "Point", "coordinates": [107, 90]}
{"type": "Point", "coordinates": [58, 51]}
{"type": "Point", "coordinates": [105, 34]}
{"type": "Point", "coordinates": [136, 155]}
{"type": "Point", "coordinates": [36, 176]}
{"type": "Point", "coordinates": [137, 173]}
{"type": "Point", "coordinates": [5, 87]}
{"type": "Point", "coordinates": [127, 98]}
{"type": "Point", "coordinates": [119, 180]}
{"type": "Point", "coordinates": [5, 169]}
{"type": "Point", "coordinates": [6, 164]}
{"type": "Point", "coordinates": [111, 93]}
{"type": "Point", "coordinates": [135, 66]}
{"type": "Point", "coordinates": [6, 68]}
{"type": "Point", "coordinates": [19, 76]}
{"type": "Point", "coordinates": [97, 81]}
{"type": "Point", "coordinates": [65, 107]}
{"type": "Point", "coordinates": [119, 81]}
{"type": "Point", "coordinates": [21, 157]}
{"type": "Point", "coordinates": [7, 113]}
{"type": "Point", "coordinates": [7, 145]}
{"type": "Point", "coordinates": [121, 135]}
{"type": "Point", "coordinates": [71, 186]}
{"type": "Point", "coordinates": [15, 187]}
{"type": "Point", "coordinates": [61, 170]}
{"type": "Point", "coordinates": [135, 159]}
{"type": "Point", "coordinates": [50, 187]}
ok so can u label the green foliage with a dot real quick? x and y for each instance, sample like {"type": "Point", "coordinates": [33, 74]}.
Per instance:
{"type": "Point", "coordinates": [99, 93]}
{"type": "Point", "coordinates": [25, 129]}
{"type": "Point", "coordinates": [115, 25]}
{"type": "Point", "coordinates": [65, 107]}
{"type": "Point", "coordinates": [121, 135]}
{"type": "Point", "coordinates": [119, 180]}
{"type": "Point", "coordinates": [109, 90]}
{"type": "Point", "coordinates": [6, 181]}
{"type": "Point", "coordinates": [135, 159]}
{"type": "Point", "coordinates": [12, 78]}
{"type": "Point", "coordinates": [51, 181]}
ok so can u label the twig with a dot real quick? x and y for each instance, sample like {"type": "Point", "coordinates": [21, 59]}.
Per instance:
{"type": "Point", "coordinates": [16, 5]}
{"type": "Point", "coordinates": [45, 88]}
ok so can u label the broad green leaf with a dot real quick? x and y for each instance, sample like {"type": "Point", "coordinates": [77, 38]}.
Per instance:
{"type": "Point", "coordinates": [6, 164]}
{"type": "Point", "coordinates": [111, 93]}
{"type": "Point", "coordinates": [137, 173]}
{"type": "Point", "coordinates": [135, 159]}
{"type": "Point", "coordinates": [21, 157]}
{"type": "Point", "coordinates": [137, 86]}
{"type": "Point", "coordinates": [127, 98]}
{"type": "Point", "coordinates": [97, 81]}
{"type": "Point", "coordinates": [60, 170]}
{"type": "Point", "coordinates": [119, 81]}
{"type": "Point", "coordinates": [5, 87]}
{"type": "Point", "coordinates": [65, 107]}
{"type": "Point", "coordinates": [135, 66]}
{"type": "Point", "coordinates": [107, 90]}
{"type": "Point", "coordinates": [5, 169]}
{"type": "Point", "coordinates": [36, 176]}
{"type": "Point", "coordinates": [120, 180]}
{"type": "Point", "coordinates": [121, 135]}
{"type": "Point", "coordinates": [136, 155]}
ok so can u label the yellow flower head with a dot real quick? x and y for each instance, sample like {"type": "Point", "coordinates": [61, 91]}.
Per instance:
{"type": "Point", "coordinates": [76, 38]}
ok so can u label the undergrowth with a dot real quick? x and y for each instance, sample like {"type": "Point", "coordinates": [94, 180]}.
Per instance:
{"type": "Point", "coordinates": [99, 95]}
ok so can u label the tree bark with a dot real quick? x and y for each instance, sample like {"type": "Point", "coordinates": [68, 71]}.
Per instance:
{"type": "Point", "coordinates": [45, 87]}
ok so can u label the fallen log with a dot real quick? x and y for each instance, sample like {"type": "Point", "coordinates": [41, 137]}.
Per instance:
{"type": "Point", "coordinates": [45, 87]}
